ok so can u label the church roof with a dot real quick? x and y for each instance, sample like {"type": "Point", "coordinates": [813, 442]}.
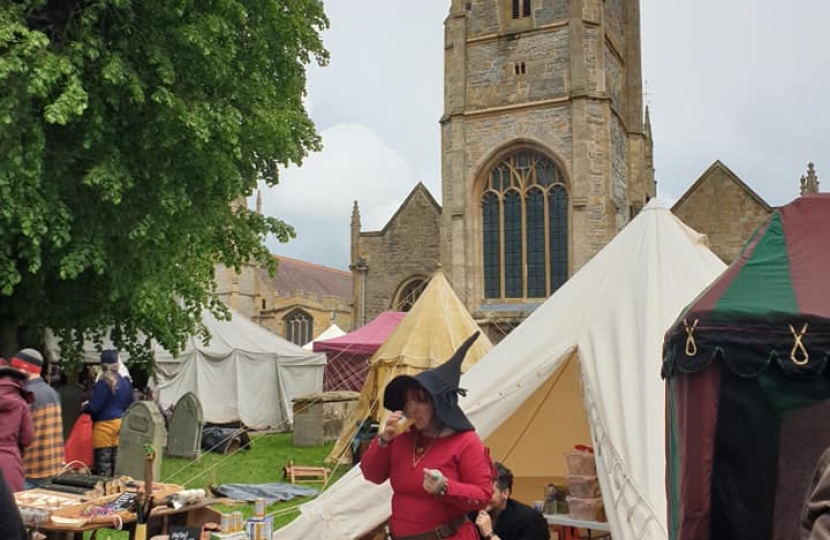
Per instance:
{"type": "Point", "coordinates": [294, 276]}
{"type": "Point", "coordinates": [419, 188]}
{"type": "Point", "coordinates": [718, 165]}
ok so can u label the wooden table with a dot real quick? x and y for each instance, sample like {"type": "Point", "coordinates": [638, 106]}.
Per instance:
{"type": "Point", "coordinates": [161, 518]}
{"type": "Point", "coordinates": [568, 526]}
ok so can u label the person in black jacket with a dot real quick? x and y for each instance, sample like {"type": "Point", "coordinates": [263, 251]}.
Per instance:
{"type": "Point", "coordinates": [11, 524]}
{"type": "Point", "coordinates": [508, 519]}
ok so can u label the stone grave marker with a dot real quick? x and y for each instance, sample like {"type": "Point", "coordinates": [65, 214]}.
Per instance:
{"type": "Point", "coordinates": [184, 437]}
{"type": "Point", "coordinates": [142, 424]}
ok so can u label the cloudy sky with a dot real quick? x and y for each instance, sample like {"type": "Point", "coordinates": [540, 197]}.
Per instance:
{"type": "Point", "coordinates": [741, 81]}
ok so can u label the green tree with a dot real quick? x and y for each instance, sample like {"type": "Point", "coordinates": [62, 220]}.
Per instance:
{"type": "Point", "coordinates": [128, 128]}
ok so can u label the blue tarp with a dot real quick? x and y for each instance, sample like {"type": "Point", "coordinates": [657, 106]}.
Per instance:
{"type": "Point", "coordinates": [270, 492]}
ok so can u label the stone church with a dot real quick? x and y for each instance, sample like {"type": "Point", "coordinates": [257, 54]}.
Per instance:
{"type": "Point", "coordinates": [546, 154]}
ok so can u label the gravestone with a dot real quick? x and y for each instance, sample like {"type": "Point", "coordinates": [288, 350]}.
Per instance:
{"type": "Point", "coordinates": [184, 437]}
{"type": "Point", "coordinates": [142, 424]}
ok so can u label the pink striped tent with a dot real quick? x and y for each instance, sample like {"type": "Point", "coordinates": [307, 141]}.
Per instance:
{"type": "Point", "coordinates": [348, 355]}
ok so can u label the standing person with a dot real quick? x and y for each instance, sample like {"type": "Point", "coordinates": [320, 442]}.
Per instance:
{"type": "Point", "coordinates": [815, 514]}
{"type": "Point", "coordinates": [15, 425]}
{"type": "Point", "coordinates": [44, 458]}
{"type": "Point", "coordinates": [508, 519]}
{"type": "Point", "coordinates": [11, 524]}
{"type": "Point", "coordinates": [438, 467]}
{"type": "Point", "coordinates": [111, 396]}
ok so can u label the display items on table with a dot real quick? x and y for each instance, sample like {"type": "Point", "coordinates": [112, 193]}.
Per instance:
{"type": "Point", "coordinates": [584, 499]}
{"type": "Point", "coordinates": [555, 502]}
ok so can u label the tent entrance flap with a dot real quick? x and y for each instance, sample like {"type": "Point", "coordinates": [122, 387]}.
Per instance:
{"type": "Point", "coordinates": [533, 440]}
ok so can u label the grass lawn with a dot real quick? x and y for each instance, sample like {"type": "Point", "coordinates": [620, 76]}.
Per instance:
{"type": "Point", "coordinates": [261, 464]}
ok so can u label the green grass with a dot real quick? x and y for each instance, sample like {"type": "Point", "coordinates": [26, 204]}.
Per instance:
{"type": "Point", "coordinates": [261, 464]}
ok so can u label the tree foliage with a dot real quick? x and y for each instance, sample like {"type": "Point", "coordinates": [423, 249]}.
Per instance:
{"type": "Point", "coordinates": [127, 130]}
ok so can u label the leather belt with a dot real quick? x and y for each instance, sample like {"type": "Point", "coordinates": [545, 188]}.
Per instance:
{"type": "Point", "coordinates": [444, 531]}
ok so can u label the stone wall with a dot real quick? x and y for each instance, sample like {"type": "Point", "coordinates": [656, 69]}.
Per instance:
{"type": "Point", "coordinates": [407, 247]}
{"type": "Point", "coordinates": [723, 209]}
{"type": "Point", "coordinates": [491, 77]}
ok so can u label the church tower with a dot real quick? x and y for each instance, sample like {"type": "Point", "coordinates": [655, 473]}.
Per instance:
{"type": "Point", "coordinates": [545, 155]}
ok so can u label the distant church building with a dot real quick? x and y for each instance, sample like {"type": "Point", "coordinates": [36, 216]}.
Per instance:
{"type": "Point", "coordinates": [546, 155]}
{"type": "Point", "coordinates": [298, 303]}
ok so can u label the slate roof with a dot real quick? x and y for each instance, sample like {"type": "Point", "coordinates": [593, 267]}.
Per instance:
{"type": "Point", "coordinates": [294, 276]}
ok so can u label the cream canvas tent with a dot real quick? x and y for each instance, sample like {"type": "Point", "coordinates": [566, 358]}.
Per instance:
{"type": "Point", "coordinates": [425, 338]}
{"type": "Point", "coordinates": [606, 324]}
{"type": "Point", "coordinates": [245, 373]}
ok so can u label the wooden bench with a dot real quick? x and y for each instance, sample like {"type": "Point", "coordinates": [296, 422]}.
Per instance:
{"type": "Point", "coordinates": [297, 474]}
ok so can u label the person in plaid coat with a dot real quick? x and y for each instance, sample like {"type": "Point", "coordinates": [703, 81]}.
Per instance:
{"type": "Point", "coordinates": [44, 458]}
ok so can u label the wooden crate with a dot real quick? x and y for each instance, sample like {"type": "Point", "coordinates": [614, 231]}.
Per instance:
{"type": "Point", "coordinates": [297, 474]}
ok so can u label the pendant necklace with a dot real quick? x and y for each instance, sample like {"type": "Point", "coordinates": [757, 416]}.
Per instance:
{"type": "Point", "coordinates": [419, 451]}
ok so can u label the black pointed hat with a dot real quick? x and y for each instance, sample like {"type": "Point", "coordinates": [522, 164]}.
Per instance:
{"type": "Point", "coordinates": [441, 383]}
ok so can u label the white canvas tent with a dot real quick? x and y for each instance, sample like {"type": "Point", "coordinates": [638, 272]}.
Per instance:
{"type": "Point", "coordinates": [607, 324]}
{"type": "Point", "coordinates": [245, 373]}
{"type": "Point", "coordinates": [332, 331]}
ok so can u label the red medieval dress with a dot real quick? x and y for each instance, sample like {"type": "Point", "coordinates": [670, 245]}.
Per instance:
{"type": "Point", "coordinates": [461, 457]}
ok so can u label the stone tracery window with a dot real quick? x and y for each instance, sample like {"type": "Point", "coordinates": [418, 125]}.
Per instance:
{"type": "Point", "coordinates": [299, 326]}
{"type": "Point", "coordinates": [524, 214]}
{"type": "Point", "coordinates": [408, 294]}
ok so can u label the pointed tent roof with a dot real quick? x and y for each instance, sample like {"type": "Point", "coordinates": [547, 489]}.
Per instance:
{"type": "Point", "coordinates": [426, 337]}
{"type": "Point", "coordinates": [332, 331]}
{"type": "Point", "coordinates": [611, 317]}
{"type": "Point", "coordinates": [365, 340]}
{"type": "Point", "coordinates": [779, 279]}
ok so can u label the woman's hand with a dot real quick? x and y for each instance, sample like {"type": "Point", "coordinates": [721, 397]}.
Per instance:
{"type": "Point", "coordinates": [435, 482]}
{"type": "Point", "coordinates": [392, 427]}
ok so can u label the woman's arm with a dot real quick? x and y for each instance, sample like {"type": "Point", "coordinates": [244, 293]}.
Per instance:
{"type": "Point", "coordinates": [474, 487]}
{"type": "Point", "coordinates": [376, 461]}
{"type": "Point", "coordinates": [100, 393]}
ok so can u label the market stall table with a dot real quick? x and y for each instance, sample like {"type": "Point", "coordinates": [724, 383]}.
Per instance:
{"type": "Point", "coordinates": [161, 518]}
{"type": "Point", "coordinates": [567, 526]}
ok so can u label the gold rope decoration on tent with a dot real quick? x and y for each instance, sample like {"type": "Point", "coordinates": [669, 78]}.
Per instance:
{"type": "Point", "coordinates": [691, 346]}
{"type": "Point", "coordinates": [798, 346]}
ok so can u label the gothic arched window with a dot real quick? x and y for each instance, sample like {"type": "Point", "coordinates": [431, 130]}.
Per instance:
{"type": "Point", "coordinates": [409, 294]}
{"type": "Point", "coordinates": [299, 326]}
{"type": "Point", "coordinates": [524, 217]}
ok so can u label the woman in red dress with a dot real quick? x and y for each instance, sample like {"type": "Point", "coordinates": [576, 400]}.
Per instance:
{"type": "Point", "coordinates": [437, 465]}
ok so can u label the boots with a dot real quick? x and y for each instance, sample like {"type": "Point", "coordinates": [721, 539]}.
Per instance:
{"type": "Point", "coordinates": [105, 461]}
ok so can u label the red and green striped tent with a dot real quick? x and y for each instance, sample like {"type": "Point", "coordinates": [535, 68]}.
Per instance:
{"type": "Point", "coordinates": [748, 388]}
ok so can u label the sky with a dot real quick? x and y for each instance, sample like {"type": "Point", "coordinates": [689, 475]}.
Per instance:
{"type": "Point", "coordinates": [740, 81]}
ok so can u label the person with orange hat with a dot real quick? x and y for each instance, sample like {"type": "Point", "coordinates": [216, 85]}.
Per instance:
{"type": "Point", "coordinates": [438, 467]}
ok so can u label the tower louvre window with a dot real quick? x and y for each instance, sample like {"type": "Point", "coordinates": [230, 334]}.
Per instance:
{"type": "Point", "coordinates": [521, 8]}
{"type": "Point", "coordinates": [524, 207]}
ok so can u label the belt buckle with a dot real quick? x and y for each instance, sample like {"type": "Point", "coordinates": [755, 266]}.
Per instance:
{"type": "Point", "coordinates": [444, 531]}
